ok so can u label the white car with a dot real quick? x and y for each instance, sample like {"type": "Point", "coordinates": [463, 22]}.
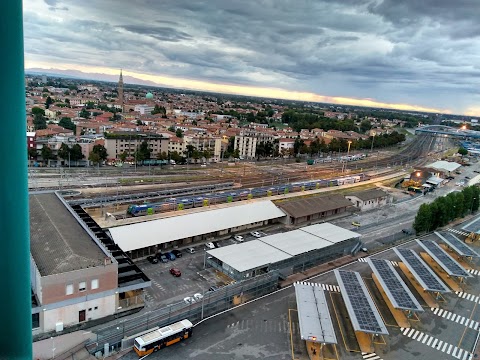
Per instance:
{"type": "Point", "coordinates": [256, 234]}
{"type": "Point", "coordinates": [189, 300]}
{"type": "Point", "coordinates": [198, 296]}
{"type": "Point", "coordinates": [209, 245]}
{"type": "Point", "coordinates": [238, 238]}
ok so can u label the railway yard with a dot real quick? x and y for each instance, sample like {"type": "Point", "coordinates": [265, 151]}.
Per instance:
{"type": "Point", "coordinates": [440, 325]}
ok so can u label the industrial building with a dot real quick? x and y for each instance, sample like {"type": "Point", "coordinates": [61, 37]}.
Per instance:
{"type": "Point", "coordinates": [313, 208]}
{"type": "Point", "coordinates": [142, 239]}
{"type": "Point", "coordinates": [368, 199]}
{"type": "Point", "coordinates": [76, 274]}
{"type": "Point", "coordinates": [287, 252]}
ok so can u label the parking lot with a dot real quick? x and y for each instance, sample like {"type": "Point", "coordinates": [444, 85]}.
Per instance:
{"type": "Point", "coordinates": [194, 279]}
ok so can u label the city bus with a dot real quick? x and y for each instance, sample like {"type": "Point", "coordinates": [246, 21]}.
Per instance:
{"type": "Point", "coordinates": [166, 336]}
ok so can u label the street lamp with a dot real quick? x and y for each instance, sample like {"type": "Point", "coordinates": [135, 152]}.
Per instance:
{"type": "Point", "coordinates": [373, 138]}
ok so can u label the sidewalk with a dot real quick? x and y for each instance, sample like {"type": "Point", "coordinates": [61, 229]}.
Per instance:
{"type": "Point", "coordinates": [54, 347]}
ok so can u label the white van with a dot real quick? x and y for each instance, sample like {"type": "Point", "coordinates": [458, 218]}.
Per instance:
{"type": "Point", "coordinates": [191, 250]}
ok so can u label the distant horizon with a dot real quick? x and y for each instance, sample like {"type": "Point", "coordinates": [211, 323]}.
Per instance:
{"type": "Point", "coordinates": [81, 75]}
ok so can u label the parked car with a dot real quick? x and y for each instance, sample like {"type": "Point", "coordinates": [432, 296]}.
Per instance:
{"type": "Point", "coordinates": [198, 296]}
{"type": "Point", "coordinates": [152, 259]}
{"type": "Point", "coordinates": [177, 253]}
{"type": "Point", "coordinates": [407, 231]}
{"type": "Point", "coordinates": [238, 238]}
{"type": "Point", "coordinates": [175, 272]}
{"type": "Point", "coordinates": [216, 244]}
{"type": "Point", "coordinates": [213, 288]}
{"type": "Point", "coordinates": [256, 234]}
{"type": "Point", "coordinates": [355, 223]}
{"type": "Point", "coordinates": [171, 256]}
{"type": "Point", "coordinates": [191, 250]}
{"type": "Point", "coordinates": [467, 177]}
{"type": "Point", "coordinates": [163, 258]}
{"type": "Point", "coordinates": [189, 300]}
{"type": "Point", "coordinates": [209, 245]}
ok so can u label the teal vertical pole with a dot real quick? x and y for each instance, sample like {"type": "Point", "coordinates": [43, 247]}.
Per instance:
{"type": "Point", "coordinates": [15, 309]}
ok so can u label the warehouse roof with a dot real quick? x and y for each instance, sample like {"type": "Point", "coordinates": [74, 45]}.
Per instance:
{"type": "Point", "coordinates": [445, 165]}
{"type": "Point", "coordinates": [330, 232]}
{"type": "Point", "coordinates": [295, 242]}
{"type": "Point", "coordinates": [249, 255]}
{"type": "Point", "coordinates": [149, 233]}
{"type": "Point", "coordinates": [58, 243]}
{"type": "Point", "coordinates": [369, 194]}
{"type": "Point", "coordinates": [314, 205]}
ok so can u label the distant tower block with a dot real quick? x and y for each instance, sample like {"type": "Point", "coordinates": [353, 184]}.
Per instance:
{"type": "Point", "coordinates": [120, 90]}
{"type": "Point", "coordinates": [44, 79]}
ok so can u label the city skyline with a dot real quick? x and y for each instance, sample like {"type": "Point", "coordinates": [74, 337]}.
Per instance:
{"type": "Point", "coordinates": [368, 53]}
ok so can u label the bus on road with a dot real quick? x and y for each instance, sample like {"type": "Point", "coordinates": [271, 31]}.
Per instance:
{"type": "Point", "coordinates": [166, 336]}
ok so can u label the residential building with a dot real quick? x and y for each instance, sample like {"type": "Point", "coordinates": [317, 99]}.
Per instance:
{"type": "Point", "coordinates": [118, 142]}
{"type": "Point", "coordinates": [285, 144]}
{"type": "Point", "coordinates": [246, 146]}
{"type": "Point", "coordinates": [144, 109]}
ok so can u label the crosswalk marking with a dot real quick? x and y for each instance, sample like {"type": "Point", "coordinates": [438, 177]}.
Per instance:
{"type": "Point", "coordinates": [364, 260]}
{"type": "Point", "coordinates": [467, 296]}
{"type": "Point", "coordinates": [326, 287]}
{"type": "Point", "coordinates": [433, 342]}
{"type": "Point", "coordinates": [474, 272]}
{"type": "Point", "coordinates": [459, 232]}
{"type": "Point", "coordinates": [370, 356]}
{"type": "Point", "coordinates": [448, 315]}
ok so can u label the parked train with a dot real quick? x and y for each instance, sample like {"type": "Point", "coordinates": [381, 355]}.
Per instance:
{"type": "Point", "coordinates": [227, 196]}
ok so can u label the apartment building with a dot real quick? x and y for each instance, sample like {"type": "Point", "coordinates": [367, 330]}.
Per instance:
{"type": "Point", "coordinates": [246, 146]}
{"type": "Point", "coordinates": [118, 142]}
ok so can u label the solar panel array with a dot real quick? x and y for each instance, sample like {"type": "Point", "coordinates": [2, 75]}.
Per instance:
{"type": "Point", "coordinates": [456, 244]}
{"type": "Point", "coordinates": [424, 275]}
{"type": "Point", "coordinates": [399, 294]}
{"type": "Point", "coordinates": [448, 263]}
{"type": "Point", "coordinates": [313, 315]}
{"type": "Point", "coordinates": [360, 306]}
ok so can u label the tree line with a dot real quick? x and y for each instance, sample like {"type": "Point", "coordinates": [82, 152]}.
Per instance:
{"type": "Point", "coordinates": [446, 209]}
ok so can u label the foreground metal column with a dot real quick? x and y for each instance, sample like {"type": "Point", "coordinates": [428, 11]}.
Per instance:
{"type": "Point", "coordinates": [15, 309]}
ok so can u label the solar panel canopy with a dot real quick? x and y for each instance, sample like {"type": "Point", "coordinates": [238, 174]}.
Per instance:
{"type": "Point", "coordinates": [452, 267]}
{"type": "Point", "coordinates": [397, 291]}
{"type": "Point", "coordinates": [313, 314]}
{"type": "Point", "coordinates": [458, 245]}
{"type": "Point", "coordinates": [360, 306]}
{"type": "Point", "coordinates": [422, 272]}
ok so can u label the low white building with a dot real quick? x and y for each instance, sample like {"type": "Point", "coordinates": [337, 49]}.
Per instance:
{"type": "Point", "coordinates": [368, 199]}
{"type": "Point", "coordinates": [144, 109]}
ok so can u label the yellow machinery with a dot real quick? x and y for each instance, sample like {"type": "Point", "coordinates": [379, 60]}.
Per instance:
{"type": "Point", "coordinates": [472, 237]}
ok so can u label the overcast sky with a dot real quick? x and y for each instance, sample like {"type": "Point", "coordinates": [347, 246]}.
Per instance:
{"type": "Point", "coordinates": [421, 54]}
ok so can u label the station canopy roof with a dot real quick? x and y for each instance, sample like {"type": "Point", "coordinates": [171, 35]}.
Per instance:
{"type": "Point", "coordinates": [154, 232]}
{"type": "Point", "coordinates": [248, 255]}
{"type": "Point", "coordinates": [330, 232]}
{"type": "Point", "coordinates": [273, 248]}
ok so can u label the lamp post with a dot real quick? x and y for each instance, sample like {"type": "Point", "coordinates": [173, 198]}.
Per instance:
{"type": "Point", "coordinates": [348, 152]}
{"type": "Point", "coordinates": [473, 201]}
{"type": "Point", "coordinates": [53, 347]}
{"type": "Point", "coordinates": [373, 138]}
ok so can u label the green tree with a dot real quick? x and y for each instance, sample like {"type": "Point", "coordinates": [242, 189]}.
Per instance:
{"type": "Point", "coordinates": [32, 153]}
{"type": "Point", "coordinates": [39, 122]}
{"type": "Point", "coordinates": [94, 157]}
{"type": "Point", "coordinates": [179, 133]}
{"type": "Point", "coordinates": [64, 151]}
{"type": "Point", "coordinates": [171, 128]}
{"type": "Point", "coordinates": [76, 153]}
{"type": "Point", "coordinates": [67, 123]}
{"type": "Point", "coordinates": [123, 156]}
{"type": "Point", "coordinates": [100, 151]}
{"type": "Point", "coordinates": [162, 155]}
{"type": "Point", "coordinates": [463, 151]}
{"type": "Point", "coordinates": [365, 125]}
{"type": "Point", "coordinates": [47, 153]}
{"type": "Point", "coordinates": [143, 151]}
{"type": "Point", "coordinates": [159, 110]}
{"type": "Point", "coordinates": [423, 219]}
{"type": "Point", "coordinates": [38, 111]}
{"type": "Point", "coordinates": [84, 113]}
{"type": "Point", "coordinates": [48, 102]}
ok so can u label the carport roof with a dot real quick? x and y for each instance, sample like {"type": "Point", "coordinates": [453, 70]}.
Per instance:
{"type": "Point", "coordinates": [249, 255]}
{"type": "Point", "coordinates": [149, 233]}
{"type": "Point", "coordinates": [295, 242]}
{"type": "Point", "coordinates": [330, 232]}
{"type": "Point", "coordinates": [314, 205]}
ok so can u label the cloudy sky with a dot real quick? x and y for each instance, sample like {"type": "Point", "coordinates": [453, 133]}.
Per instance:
{"type": "Point", "coordinates": [408, 54]}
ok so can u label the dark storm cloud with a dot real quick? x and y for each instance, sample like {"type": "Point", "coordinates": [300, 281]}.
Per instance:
{"type": "Point", "coordinates": [390, 47]}
{"type": "Point", "coordinates": [157, 32]}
